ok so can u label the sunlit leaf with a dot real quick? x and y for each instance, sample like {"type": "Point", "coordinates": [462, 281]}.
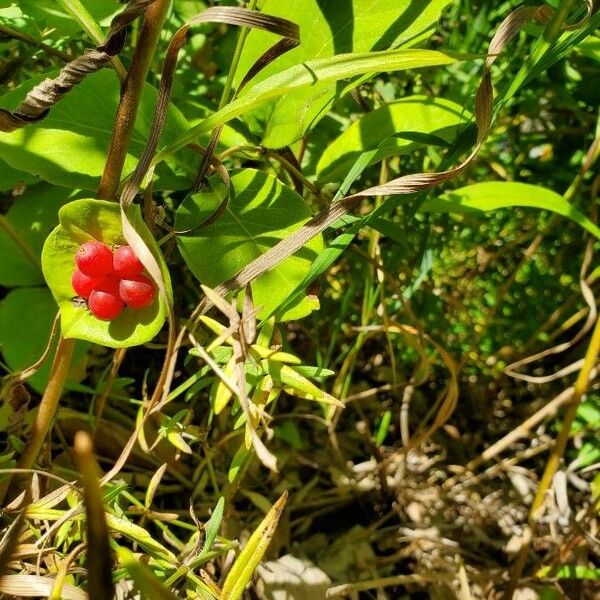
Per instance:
{"type": "Point", "coordinates": [394, 129]}
{"type": "Point", "coordinates": [81, 125]}
{"type": "Point", "coordinates": [243, 568]}
{"type": "Point", "coordinates": [494, 195]}
{"type": "Point", "coordinates": [329, 28]}
{"type": "Point", "coordinates": [260, 212]}
{"type": "Point", "coordinates": [81, 221]}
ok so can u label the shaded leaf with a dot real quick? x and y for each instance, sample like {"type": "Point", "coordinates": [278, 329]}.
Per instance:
{"type": "Point", "coordinates": [26, 318]}
{"type": "Point", "coordinates": [23, 230]}
{"type": "Point", "coordinates": [11, 178]}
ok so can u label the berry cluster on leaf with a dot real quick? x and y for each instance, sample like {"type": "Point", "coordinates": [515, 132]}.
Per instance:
{"type": "Point", "coordinates": [110, 281]}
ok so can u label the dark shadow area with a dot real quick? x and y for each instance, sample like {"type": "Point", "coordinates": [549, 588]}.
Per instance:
{"type": "Point", "coordinates": [342, 31]}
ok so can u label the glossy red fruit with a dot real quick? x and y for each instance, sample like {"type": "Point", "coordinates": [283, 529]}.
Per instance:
{"type": "Point", "coordinates": [138, 292]}
{"type": "Point", "coordinates": [108, 284]}
{"type": "Point", "coordinates": [126, 263]}
{"type": "Point", "coordinates": [82, 284]}
{"type": "Point", "coordinates": [94, 259]}
{"type": "Point", "coordinates": [105, 306]}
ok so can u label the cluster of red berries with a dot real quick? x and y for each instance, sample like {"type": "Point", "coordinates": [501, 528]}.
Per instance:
{"type": "Point", "coordinates": [110, 281]}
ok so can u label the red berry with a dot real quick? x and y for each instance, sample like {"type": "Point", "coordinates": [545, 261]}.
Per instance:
{"type": "Point", "coordinates": [94, 259]}
{"type": "Point", "coordinates": [126, 263]}
{"type": "Point", "coordinates": [108, 284]}
{"type": "Point", "coordinates": [138, 292]}
{"type": "Point", "coordinates": [82, 284]}
{"type": "Point", "coordinates": [105, 306]}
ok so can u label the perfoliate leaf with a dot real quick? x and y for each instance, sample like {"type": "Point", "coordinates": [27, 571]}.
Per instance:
{"type": "Point", "coordinates": [260, 212]}
{"type": "Point", "coordinates": [82, 221]}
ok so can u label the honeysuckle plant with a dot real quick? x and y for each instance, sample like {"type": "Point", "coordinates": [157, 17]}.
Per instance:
{"type": "Point", "coordinates": [126, 170]}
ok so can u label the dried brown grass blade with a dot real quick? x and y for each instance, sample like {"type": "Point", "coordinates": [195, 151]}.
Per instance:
{"type": "Point", "coordinates": [99, 555]}
{"type": "Point", "coordinates": [35, 586]}
{"type": "Point", "coordinates": [588, 296]}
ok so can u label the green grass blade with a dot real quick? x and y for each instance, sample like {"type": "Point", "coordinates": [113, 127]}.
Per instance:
{"type": "Point", "coordinates": [243, 568]}
{"type": "Point", "coordinates": [308, 74]}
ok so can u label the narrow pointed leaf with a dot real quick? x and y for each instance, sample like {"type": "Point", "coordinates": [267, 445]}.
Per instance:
{"type": "Point", "coordinates": [243, 568]}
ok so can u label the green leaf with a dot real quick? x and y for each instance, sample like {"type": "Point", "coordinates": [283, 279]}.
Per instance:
{"type": "Point", "coordinates": [212, 526]}
{"type": "Point", "coordinates": [328, 28]}
{"type": "Point", "coordinates": [243, 568]}
{"type": "Point", "coordinates": [289, 432]}
{"type": "Point", "coordinates": [544, 54]}
{"type": "Point", "coordinates": [570, 572]}
{"type": "Point", "coordinates": [298, 385]}
{"type": "Point", "coordinates": [139, 535]}
{"type": "Point", "coordinates": [69, 146]}
{"type": "Point", "coordinates": [11, 178]}
{"type": "Point", "coordinates": [337, 247]}
{"type": "Point", "coordinates": [87, 13]}
{"type": "Point", "coordinates": [23, 230]}
{"type": "Point", "coordinates": [590, 47]}
{"type": "Point", "coordinates": [492, 195]}
{"type": "Point", "coordinates": [81, 221]}
{"type": "Point", "coordinates": [309, 75]}
{"type": "Point", "coordinates": [238, 461]}
{"type": "Point", "coordinates": [384, 427]}
{"type": "Point", "coordinates": [47, 15]}
{"type": "Point", "coordinates": [144, 580]}
{"type": "Point", "coordinates": [26, 319]}
{"type": "Point", "coordinates": [394, 129]}
{"type": "Point", "coordinates": [261, 212]}
{"type": "Point", "coordinates": [222, 394]}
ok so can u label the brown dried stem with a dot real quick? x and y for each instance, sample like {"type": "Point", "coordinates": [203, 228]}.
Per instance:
{"type": "Point", "coordinates": [130, 99]}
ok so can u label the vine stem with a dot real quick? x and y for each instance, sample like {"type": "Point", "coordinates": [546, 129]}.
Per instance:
{"type": "Point", "coordinates": [130, 98]}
